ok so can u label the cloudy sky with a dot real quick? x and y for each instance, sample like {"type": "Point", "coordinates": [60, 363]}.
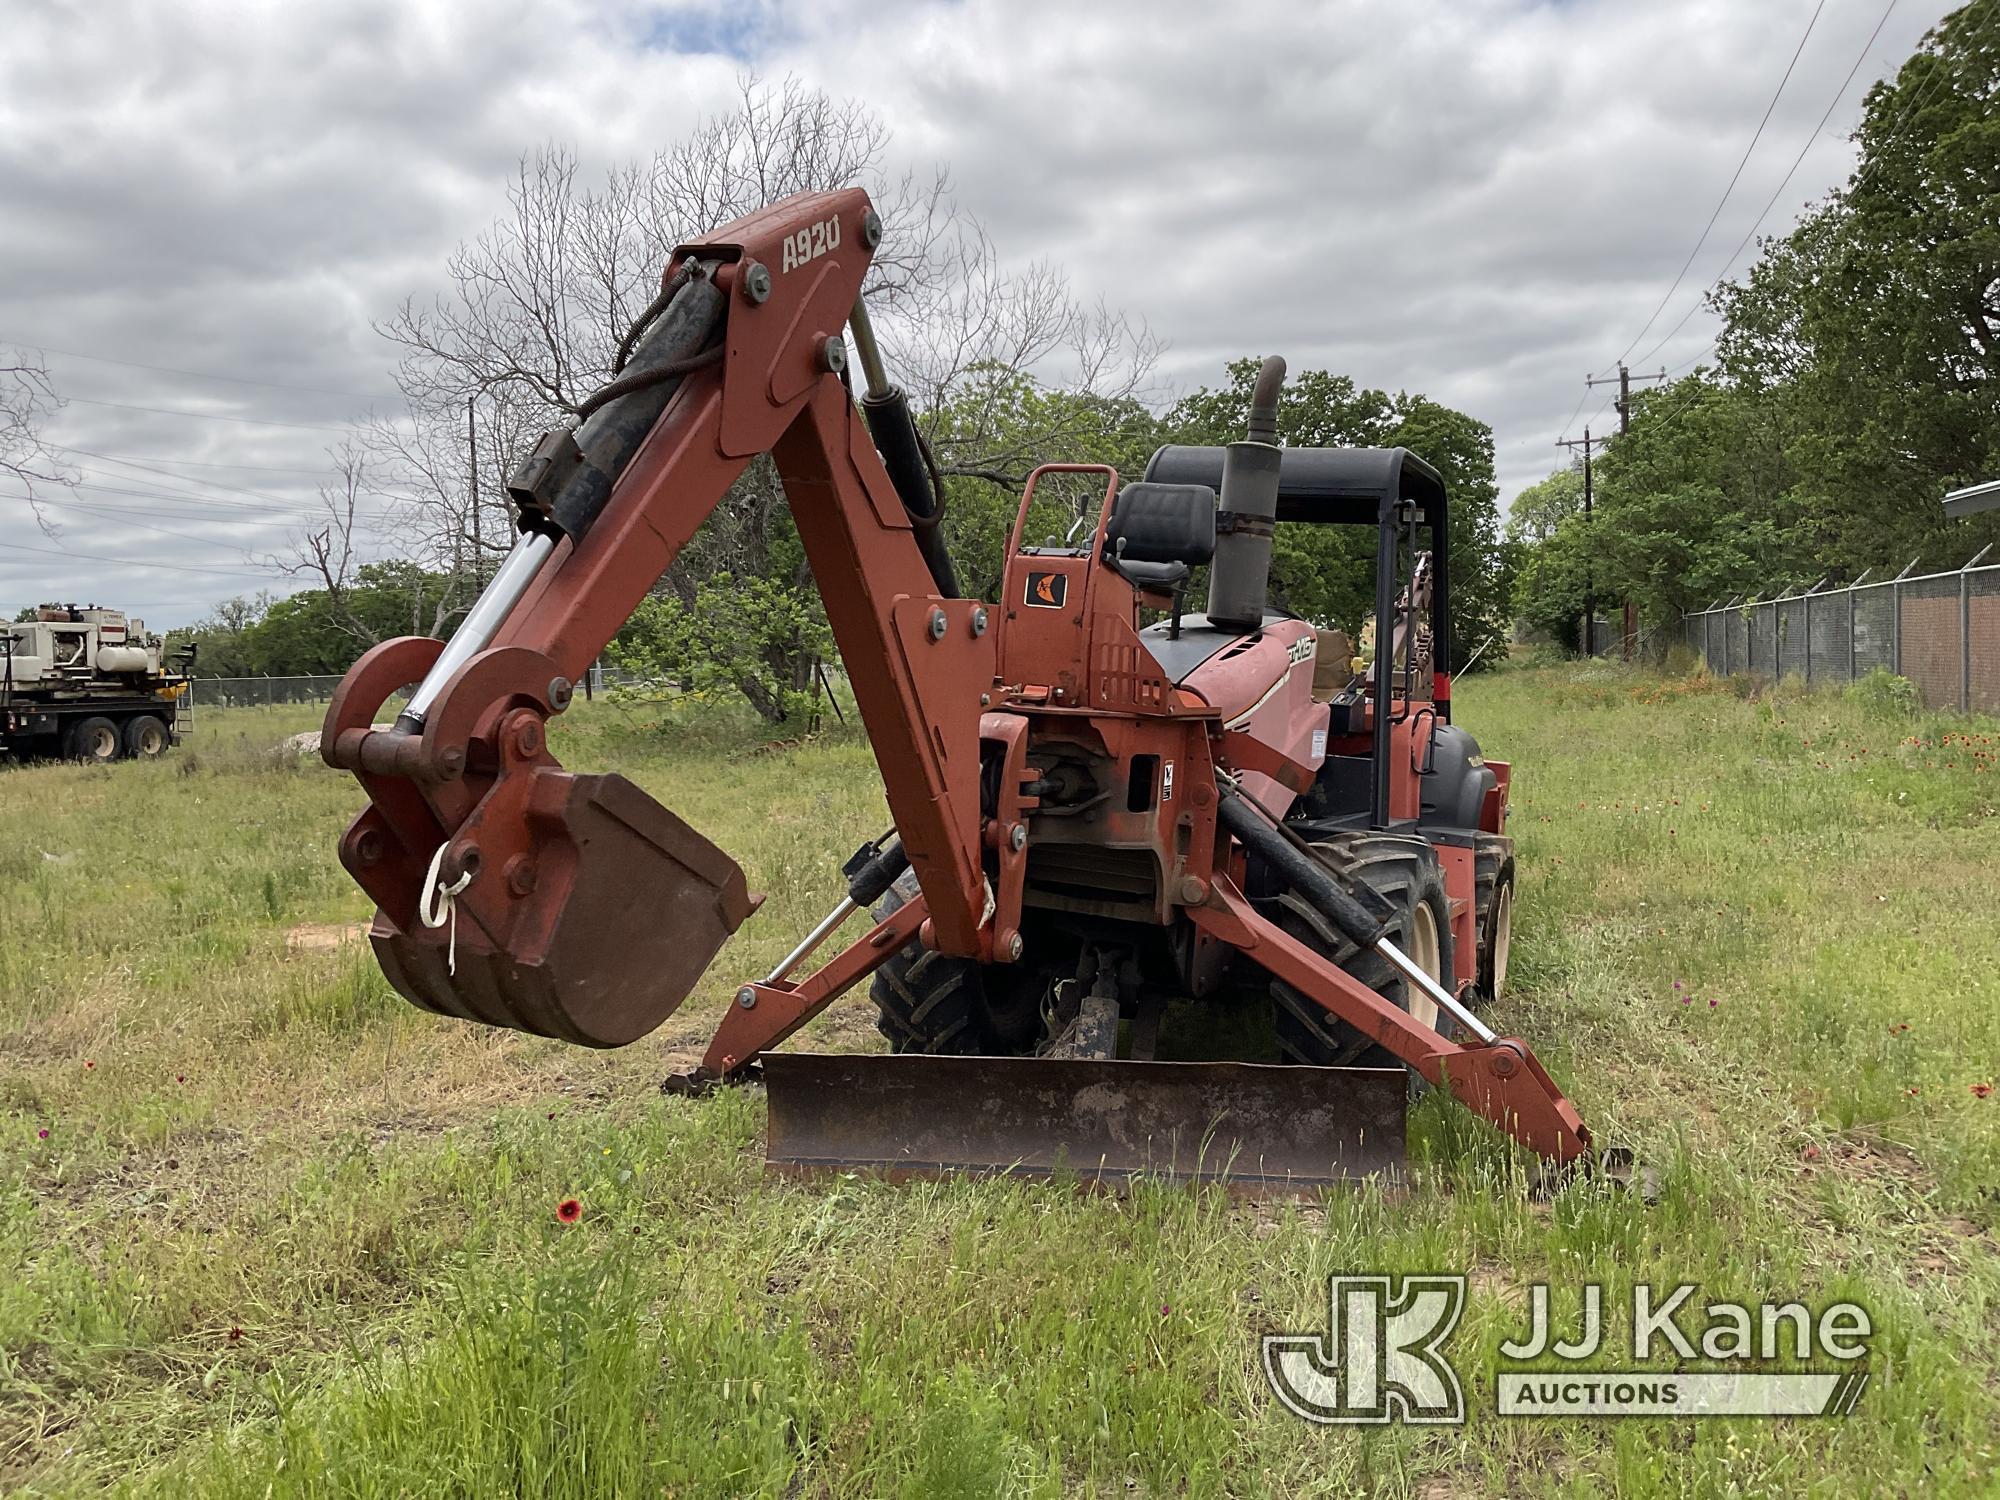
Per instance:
{"type": "Point", "coordinates": [1478, 199]}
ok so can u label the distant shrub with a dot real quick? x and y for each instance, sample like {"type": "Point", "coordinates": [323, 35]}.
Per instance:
{"type": "Point", "coordinates": [1682, 660]}
{"type": "Point", "coordinates": [1883, 693]}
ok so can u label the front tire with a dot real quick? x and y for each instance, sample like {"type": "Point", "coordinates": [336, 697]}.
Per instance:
{"type": "Point", "coordinates": [1407, 875]}
{"type": "Point", "coordinates": [1493, 885]}
{"type": "Point", "coordinates": [94, 741]}
{"type": "Point", "coordinates": [928, 1001]}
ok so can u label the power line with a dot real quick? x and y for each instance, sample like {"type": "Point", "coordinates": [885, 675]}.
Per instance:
{"type": "Point", "coordinates": [145, 458]}
{"type": "Point", "coordinates": [218, 484]}
{"type": "Point", "coordinates": [1570, 420]}
{"type": "Point", "coordinates": [1913, 104]}
{"type": "Point", "coordinates": [125, 517]}
{"type": "Point", "coordinates": [208, 512]}
{"type": "Point", "coordinates": [127, 562]}
{"type": "Point", "coordinates": [1721, 202]}
{"type": "Point", "coordinates": [133, 364]}
{"type": "Point", "coordinates": [207, 416]}
{"type": "Point", "coordinates": [1810, 141]}
{"type": "Point", "coordinates": [234, 510]}
{"type": "Point", "coordinates": [272, 500]}
{"type": "Point", "coordinates": [235, 507]}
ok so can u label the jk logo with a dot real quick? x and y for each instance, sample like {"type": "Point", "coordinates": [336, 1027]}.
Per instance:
{"type": "Point", "coordinates": [1380, 1361]}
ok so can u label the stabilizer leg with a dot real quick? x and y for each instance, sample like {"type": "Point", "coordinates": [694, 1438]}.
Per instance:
{"type": "Point", "coordinates": [764, 1014]}
{"type": "Point", "coordinates": [1501, 1080]}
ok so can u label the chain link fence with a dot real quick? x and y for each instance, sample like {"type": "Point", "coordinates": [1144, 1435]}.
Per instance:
{"type": "Point", "coordinates": [1940, 630]}
{"type": "Point", "coordinates": [264, 692]}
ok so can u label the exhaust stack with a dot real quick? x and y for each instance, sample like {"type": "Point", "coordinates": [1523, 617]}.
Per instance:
{"type": "Point", "coordinates": [1239, 579]}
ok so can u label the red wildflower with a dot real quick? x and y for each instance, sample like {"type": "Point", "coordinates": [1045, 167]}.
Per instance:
{"type": "Point", "coordinates": [1911, 1091]}
{"type": "Point", "coordinates": [88, 1063]}
{"type": "Point", "coordinates": [1982, 1090]}
{"type": "Point", "coordinates": [42, 1134]}
{"type": "Point", "coordinates": [569, 1211]}
{"type": "Point", "coordinates": [1811, 1153]}
{"type": "Point", "coordinates": [235, 1335]}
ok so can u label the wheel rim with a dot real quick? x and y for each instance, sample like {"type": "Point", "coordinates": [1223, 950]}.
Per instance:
{"type": "Point", "coordinates": [1503, 936]}
{"type": "Point", "coordinates": [101, 744]}
{"type": "Point", "coordinates": [1425, 952]}
{"type": "Point", "coordinates": [152, 740]}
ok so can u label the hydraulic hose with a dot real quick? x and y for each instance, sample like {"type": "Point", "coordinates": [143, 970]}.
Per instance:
{"type": "Point", "coordinates": [1304, 874]}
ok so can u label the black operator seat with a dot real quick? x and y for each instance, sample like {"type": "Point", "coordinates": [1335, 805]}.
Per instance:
{"type": "Point", "coordinates": [1159, 532]}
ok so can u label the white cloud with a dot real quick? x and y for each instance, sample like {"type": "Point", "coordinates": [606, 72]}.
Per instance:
{"type": "Point", "coordinates": [1477, 200]}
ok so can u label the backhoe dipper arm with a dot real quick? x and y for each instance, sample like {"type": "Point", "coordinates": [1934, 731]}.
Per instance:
{"type": "Point", "coordinates": [576, 906]}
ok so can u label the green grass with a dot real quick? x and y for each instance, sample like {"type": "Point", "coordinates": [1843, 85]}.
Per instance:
{"type": "Point", "coordinates": [286, 1235]}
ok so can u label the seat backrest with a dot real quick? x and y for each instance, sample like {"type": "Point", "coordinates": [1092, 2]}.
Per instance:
{"type": "Point", "coordinates": [1162, 523]}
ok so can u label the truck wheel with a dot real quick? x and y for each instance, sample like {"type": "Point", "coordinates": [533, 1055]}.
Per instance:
{"type": "Point", "coordinates": [1406, 873]}
{"type": "Point", "coordinates": [930, 1002]}
{"type": "Point", "coordinates": [94, 740]}
{"type": "Point", "coordinates": [146, 738]}
{"type": "Point", "coordinates": [1493, 888]}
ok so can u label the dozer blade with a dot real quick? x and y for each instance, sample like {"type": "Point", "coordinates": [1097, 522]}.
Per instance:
{"type": "Point", "coordinates": [1260, 1129]}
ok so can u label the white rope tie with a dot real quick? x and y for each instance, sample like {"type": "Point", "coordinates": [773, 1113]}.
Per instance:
{"type": "Point", "coordinates": [437, 905]}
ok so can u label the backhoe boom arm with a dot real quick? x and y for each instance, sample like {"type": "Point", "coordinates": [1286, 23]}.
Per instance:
{"type": "Point", "coordinates": [552, 934]}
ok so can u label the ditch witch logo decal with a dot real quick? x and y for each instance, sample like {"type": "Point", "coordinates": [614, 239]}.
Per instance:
{"type": "Point", "coordinates": [1046, 590]}
{"type": "Point", "coordinates": [1383, 1357]}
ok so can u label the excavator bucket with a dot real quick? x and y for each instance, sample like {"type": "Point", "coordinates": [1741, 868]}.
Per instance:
{"type": "Point", "coordinates": [1260, 1130]}
{"type": "Point", "coordinates": [627, 907]}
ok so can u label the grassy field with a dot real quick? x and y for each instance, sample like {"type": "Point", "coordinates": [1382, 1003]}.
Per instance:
{"type": "Point", "coordinates": [266, 1230]}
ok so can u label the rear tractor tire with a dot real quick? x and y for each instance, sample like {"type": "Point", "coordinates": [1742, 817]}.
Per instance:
{"type": "Point", "coordinates": [928, 1001]}
{"type": "Point", "coordinates": [1406, 874]}
{"type": "Point", "coordinates": [94, 741]}
{"type": "Point", "coordinates": [146, 738]}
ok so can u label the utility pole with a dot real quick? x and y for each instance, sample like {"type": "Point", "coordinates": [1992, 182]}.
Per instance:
{"type": "Point", "coordinates": [1625, 379]}
{"type": "Point", "coordinates": [472, 472]}
{"type": "Point", "coordinates": [1586, 443]}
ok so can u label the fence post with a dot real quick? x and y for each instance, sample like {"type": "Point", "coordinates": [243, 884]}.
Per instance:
{"type": "Point", "coordinates": [1853, 618]}
{"type": "Point", "coordinates": [1809, 598]}
{"type": "Point", "coordinates": [1897, 632]}
{"type": "Point", "coordinates": [1965, 629]}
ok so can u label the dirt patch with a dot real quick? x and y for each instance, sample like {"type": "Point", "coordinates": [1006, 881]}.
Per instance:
{"type": "Point", "coordinates": [1493, 1280]}
{"type": "Point", "coordinates": [1449, 1487]}
{"type": "Point", "coordinates": [324, 937]}
{"type": "Point", "coordinates": [1880, 1163]}
{"type": "Point", "coordinates": [1948, 1249]}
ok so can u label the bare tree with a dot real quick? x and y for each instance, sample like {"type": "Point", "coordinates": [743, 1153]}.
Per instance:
{"type": "Point", "coordinates": [533, 311]}
{"type": "Point", "coordinates": [27, 399]}
{"type": "Point", "coordinates": [333, 552]}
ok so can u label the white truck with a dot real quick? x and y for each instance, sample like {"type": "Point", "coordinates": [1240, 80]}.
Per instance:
{"type": "Point", "coordinates": [87, 684]}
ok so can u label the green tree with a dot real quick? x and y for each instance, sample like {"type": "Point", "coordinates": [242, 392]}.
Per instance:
{"type": "Point", "coordinates": [1855, 381]}
{"type": "Point", "coordinates": [1874, 328]}
{"type": "Point", "coordinates": [756, 636]}
{"type": "Point", "coordinates": [1007, 412]}
{"type": "Point", "coordinates": [222, 637]}
{"type": "Point", "coordinates": [1544, 544]}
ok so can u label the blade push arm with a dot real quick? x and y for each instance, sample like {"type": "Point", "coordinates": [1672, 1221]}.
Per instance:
{"type": "Point", "coordinates": [588, 910]}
